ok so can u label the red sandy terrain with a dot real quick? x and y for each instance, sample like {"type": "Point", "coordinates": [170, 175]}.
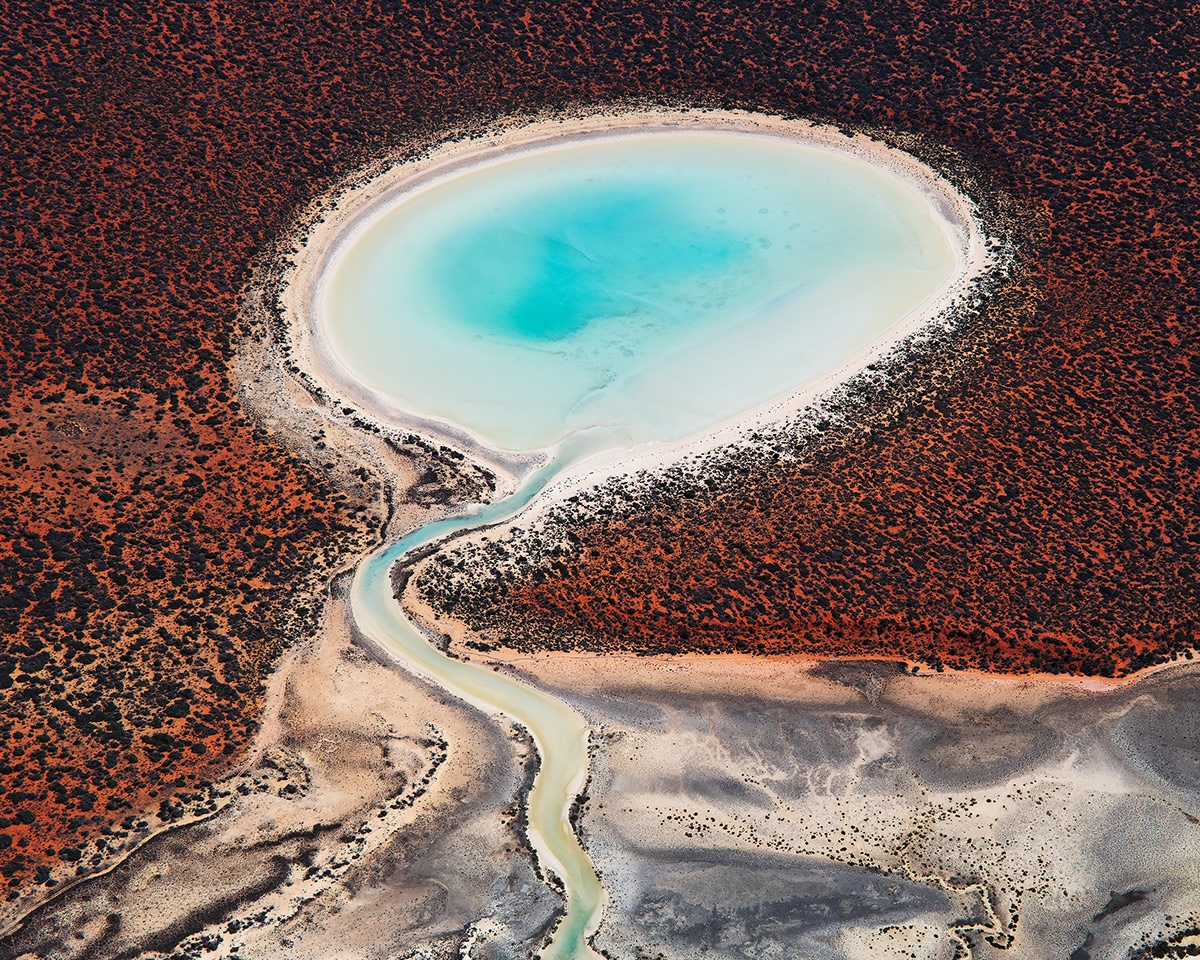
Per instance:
{"type": "Point", "coordinates": [1038, 515]}
{"type": "Point", "coordinates": [152, 540]}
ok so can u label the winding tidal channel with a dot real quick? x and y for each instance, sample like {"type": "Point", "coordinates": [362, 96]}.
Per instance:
{"type": "Point", "coordinates": [559, 733]}
{"type": "Point", "coordinates": [609, 288]}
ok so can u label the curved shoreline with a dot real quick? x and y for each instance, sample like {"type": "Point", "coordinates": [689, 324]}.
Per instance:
{"type": "Point", "coordinates": [374, 608]}
{"type": "Point", "coordinates": [350, 211]}
{"type": "Point", "coordinates": [559, 734]}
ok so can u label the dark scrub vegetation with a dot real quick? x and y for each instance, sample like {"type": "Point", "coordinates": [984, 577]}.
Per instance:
{"type": "Point", "coordinates": [151, 539]}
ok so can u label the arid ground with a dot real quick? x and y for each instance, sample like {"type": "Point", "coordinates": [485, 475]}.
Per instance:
{"type": "Point", "coordinates": [164, 544]}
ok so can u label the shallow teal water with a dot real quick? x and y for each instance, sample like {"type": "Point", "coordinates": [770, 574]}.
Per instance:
{"type": "Point", "coordinates": [659, 283]}
{"type": "Point", "coordinates": [539, 270]}
{"type": "Point", "coordinates": [559, 733]}
{"type": "Point", "coordinates": [604, 294]}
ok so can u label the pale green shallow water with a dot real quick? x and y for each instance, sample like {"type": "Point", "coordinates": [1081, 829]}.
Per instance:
{"type": "Point", "coordinates": [594, 296]}
{"type": "Point", "coordinates": [559, 733]}
{"type": "Point", "coordinates": [659, 283]}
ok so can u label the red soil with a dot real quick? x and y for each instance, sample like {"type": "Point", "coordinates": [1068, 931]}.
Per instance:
{"type": "Point", "coordinates": [1041, 514]}
{"type": "Point", "coordinates": [152, 150]}
{"type": "Point", "coordinates": [153, 552]}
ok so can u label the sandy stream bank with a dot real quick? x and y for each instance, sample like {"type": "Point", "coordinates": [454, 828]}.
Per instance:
{"type": "Point", "coordinates": [684, 778]}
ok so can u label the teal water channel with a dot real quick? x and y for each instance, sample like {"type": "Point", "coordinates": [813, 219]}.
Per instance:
{"type": "Point", "coordinates": [589, 297]}
{"type": "Point", "coordinates": [559, 733]}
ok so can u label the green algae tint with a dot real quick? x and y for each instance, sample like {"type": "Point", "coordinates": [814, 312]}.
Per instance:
{"type": "Point", "coordinates": [657, 283]}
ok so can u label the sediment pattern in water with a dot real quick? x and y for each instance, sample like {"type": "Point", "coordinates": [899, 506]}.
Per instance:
{"type": "Point", "coordinates": [144, 178]}
{"type": "Point", "coordinates": [651, 280]}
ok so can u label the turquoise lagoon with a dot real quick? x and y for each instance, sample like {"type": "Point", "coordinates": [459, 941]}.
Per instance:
{"type": "Point", "coordinates": [650, 285]}
{"type": "Point", "coordinates": [596, 295]}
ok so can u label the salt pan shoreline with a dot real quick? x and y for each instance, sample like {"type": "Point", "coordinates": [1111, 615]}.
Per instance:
{"type": "Point", "coordinates": [679, 683]}
{"type": "Point", "coordinates": [347, 212]}
{"type": "Point", "coordinates": [555, 790]}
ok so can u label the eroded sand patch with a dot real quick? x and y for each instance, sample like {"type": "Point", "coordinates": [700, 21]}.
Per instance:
{"type": "Point", "coordinates": [380, 817]}
{"type": "Point", "coordinates": [751, 808]}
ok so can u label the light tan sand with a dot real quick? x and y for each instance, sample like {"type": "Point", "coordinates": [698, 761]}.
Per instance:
{"type": "Point", "coordinates": [1021, 803]}
{"type": "Point", "coordinates": [791, 676]}
{"type": "Point", "coordinates": [353, 737]}
{"type": "Point", "coordinates": [375, 816]}
{"type": "Point", "coordinates": [1009, 797]}
{"type": "Point", "coordinates": [952, 783]}
{"type": "Point", "coordinates": [337, 219]}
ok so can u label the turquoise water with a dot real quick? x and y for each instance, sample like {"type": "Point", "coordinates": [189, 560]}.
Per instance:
{"type": "Point", "coordinates": [652, 284]}
{"type": "Point", "coordinates": [594, 296]}
{"type": "Point", "coordinates": [559, 733]}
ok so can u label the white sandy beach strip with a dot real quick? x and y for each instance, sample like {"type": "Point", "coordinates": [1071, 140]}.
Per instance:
{"type": "Point", "coordinates": [339, 218]}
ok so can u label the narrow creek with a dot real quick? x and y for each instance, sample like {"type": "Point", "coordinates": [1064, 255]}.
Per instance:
{"type": "Point", "coordinates": [595, 286]}
{"type": "Point", "coordinates": [559, 733]}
